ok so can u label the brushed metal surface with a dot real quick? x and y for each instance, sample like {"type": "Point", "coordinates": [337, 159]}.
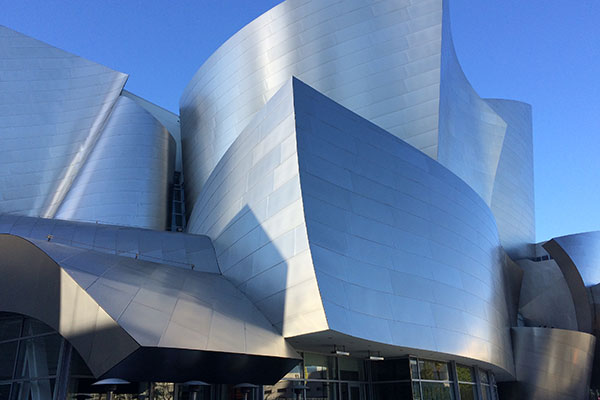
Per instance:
{"type": "Point", "coordinates": [126, 179]}
{"type": "Point", "coordinates": [325, 215]}
{"type": "Point", "coordinates": [552, 364]}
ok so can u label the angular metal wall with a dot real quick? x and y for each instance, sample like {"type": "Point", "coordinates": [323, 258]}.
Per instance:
{"type": "Point", "coordinates": [127, 176]}
{"type": "Point", "coordinates": [252, 209]}
{"type": "Point", "coordinates": [404, 253]}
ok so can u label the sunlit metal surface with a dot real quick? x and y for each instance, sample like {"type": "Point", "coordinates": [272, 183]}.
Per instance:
{"type": "Point", "coordinates": [177, 249]}
{"type": "Point", "coordinates": [403, 252]}
{"type": "Point", "coordinates": [391, 62]}
{"type": "Point", "coordinates": [552, 364]}
{"type": "Point", "coordinates": [127, 175]}
{"type": "Point", "coordinates": [110, 306]}
{"type": "Point", "coordinates": [53, 106]}
{"type": "Point", "coordinates": [379, 58]}
{"type": "Point", "coordinates": [583, 249]}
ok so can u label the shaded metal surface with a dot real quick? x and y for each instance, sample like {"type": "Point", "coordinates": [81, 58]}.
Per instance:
{"type": "Point", "coordinates": [53, 106]}
{"type": "Point", "coordinates": [545, 296]}
{"type": "Point", "coordinates": [177, 249]}
{"type": "Point", "coordinates": [577, 287]}
{"type": "Point", "coordinates": [127, 176]}
{"type": "Point", "coordinates": [404, 252]}
{"type": "Point", "coordinates": [552, 364]}
{"type": "Point", "coordinates": [35, 285]}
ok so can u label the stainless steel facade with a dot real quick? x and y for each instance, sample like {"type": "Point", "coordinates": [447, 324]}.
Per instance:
{"type": "Point", "coordinates": [552, 363]}
{"type": "Point", "coordinates": [393, 63]}
{"type": "Point", "coordinates": [375, 204]}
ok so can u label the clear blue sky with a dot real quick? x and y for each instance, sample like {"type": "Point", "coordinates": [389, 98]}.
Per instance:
{"type": "Point", "coordinates": [546, 53]}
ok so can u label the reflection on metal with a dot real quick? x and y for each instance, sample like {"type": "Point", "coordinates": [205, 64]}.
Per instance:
{"type": "Point", "coordinates": [371, 209]}
{"type": "Point", "coordinates": [391, 62]}
{"type": "Point", "coordinates": [552, 364]}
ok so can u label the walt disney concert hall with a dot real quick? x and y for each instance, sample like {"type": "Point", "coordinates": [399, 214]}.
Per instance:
{"type": "Point", "coordinates": [334, 215]}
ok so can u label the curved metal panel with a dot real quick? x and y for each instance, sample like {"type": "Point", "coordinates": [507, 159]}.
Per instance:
{"type": "Point", "coordinates": [583, 249]}
{"type": "Point", "coordinates": [127, 176]}
{"type": "Point", "coordinates": [552, 364]}
{"type": "Point", "coordinates": [52, 109]}
{"type": "Point", "coordinates": [118, 312]}
{"type": "Point", "coordinates": [34, 284]}
{"type": "Point", "coordinates": [403, 251]}
{"type": "Point", "coordinates": [513, 201]}
{"type": "Point", "coordinates": [576, 284]}
{"type": "Point", "coordinates": [379, 58]}
{"type": "Point", "coordinates": [394, 64]}
{"type": "Point", "coordinates": [545, 296]}
{"type": "Point", "coordinates": [489, 144]}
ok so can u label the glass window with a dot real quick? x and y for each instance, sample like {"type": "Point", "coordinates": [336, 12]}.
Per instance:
{"type": "Point", "coordinates": [4, 391]}
{"type": "Point", "coordinates": [434, 370]}
{"type": "Point", "coordinates": [34, 327]}
{"type": "Point", "coordinates": [483, 375]}
{"type": "Point", "coordinates": [391, 370]}
{"type": "Point", "coordinates": [10, 328]}
{"type": "Point", "coordinates": [465, 374]}
{"type": "Point", "coordinates": [414, 369]}
{"type": "Point", "coordinates": [37, 389]}
{"type": "Point", "coordinates": [319, 367]}
{"type": "Point", "coordinates": [38, 357]}
{"type": "Point", "coordinates": [416, 391]}
{"type": "Point", "coordinates": [437, 391]}
{"type": "Point", "coordinates": [486, 392]}
{"type": "Point", "coordinates": [351, 369]}
{"type": "Point", "coordinates": [8, 355]}
{"type": "Point", "coordinates": [295, 373]}
{"type": "Point", "coordinates": [392, 391]}
{"type": "Point", "coordinates": [467, 391]}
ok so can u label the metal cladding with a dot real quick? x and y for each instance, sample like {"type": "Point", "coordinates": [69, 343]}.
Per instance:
{"type": "Point", "coordinates": [392, 63]}
{"type": "Point", "coordinates": [552, 364]}
{"type": "Point", "coordinates": [126, 178]}
{"type": "Point", "coordinates": [379, 207]}
{"type": "Point", "coordinates": [111, 307]}
{"type": "Point", "coordinates": [71, 146]}
{"type": "Point", "coordinates": [54, 105]}
{"type": "Point", "coordinates": [321, 217]}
